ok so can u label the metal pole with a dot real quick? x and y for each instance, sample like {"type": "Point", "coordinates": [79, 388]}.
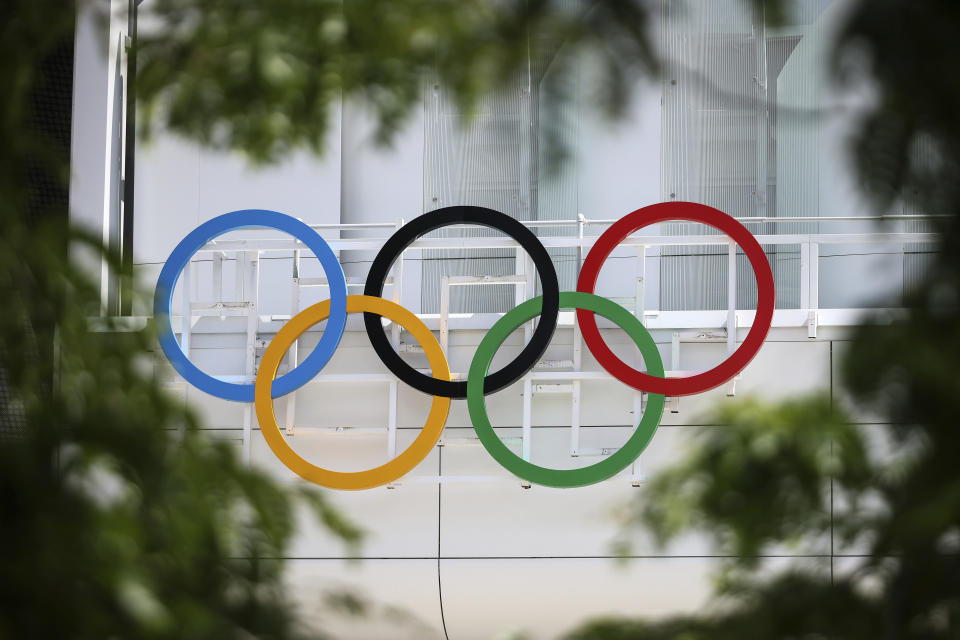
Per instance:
{"type": "Point", "coordinates": [129, 157]}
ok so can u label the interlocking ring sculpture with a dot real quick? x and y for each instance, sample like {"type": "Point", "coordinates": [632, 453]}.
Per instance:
{"type": "Point", "coordinates": [479, 381]}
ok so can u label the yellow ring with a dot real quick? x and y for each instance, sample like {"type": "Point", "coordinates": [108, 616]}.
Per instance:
{"type": "Point", "coordinates": [377, 476]}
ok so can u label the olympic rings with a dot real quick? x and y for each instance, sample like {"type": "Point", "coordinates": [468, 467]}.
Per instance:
{"type": "Point", "coordinates": [478, 383]}
{"type": "Point", "coordinates": [564, 477]}
{"type": "Point", "coordinates": [163, 301]}
{"type": "Point", "coordinates": [377, 476]}
{"type": "Point", "coordinates": [444, 217]}
{"type": "Point", "coordinates": [725, 370]}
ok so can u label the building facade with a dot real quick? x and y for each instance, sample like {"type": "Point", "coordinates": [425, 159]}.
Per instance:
{"type": "Point", "coordinates": [744, 118]}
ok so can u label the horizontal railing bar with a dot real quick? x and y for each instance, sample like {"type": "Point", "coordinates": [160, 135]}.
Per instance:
{"type": "Point", "coordinates": [319, 432]}
{"type": "Point", "coordinates": [221, 306]}
{"type": "Point", "coordinates": [698, 320]}
{"type": "Point", "coordinates": [514, 441]}
{"type": "Point", "coordinates": [471, 280]}
{"type": "Point", "coordinates": [603, 221]}
{"type": "Point", "coordinates": [323, 282]}
{"type": "Point", "coordinates": [351, 225]}
{"type": "Point", "coordinates": [457, 479]}
{"type": "Point", "coordinates": [373, 244]}
{"type": "Point", "coordinates": [765, 219]}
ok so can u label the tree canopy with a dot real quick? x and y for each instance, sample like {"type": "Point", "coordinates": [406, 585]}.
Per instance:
{"type": "Point", "coordinates": [119, 519]}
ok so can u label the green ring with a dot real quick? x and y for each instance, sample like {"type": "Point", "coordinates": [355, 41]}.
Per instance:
{"type": "Point", "coordinates": [564, 477]}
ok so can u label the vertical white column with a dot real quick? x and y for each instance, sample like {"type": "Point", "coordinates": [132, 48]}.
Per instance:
{"type": "Point", "coordinates": [527, 417]}
{"type": "Point", "coordinates": [397, 291]}
{"type": "Point", "coordinates": [253, 319]}
{"type": "Point", "coordinates": [185, 312]}
{"type": "Point", "coordinates": [292, 353]}
{"type": "Point", "coordinates": [639, 303]}
{"type": "Point", "coordinates": [635, 470]}
{"type": "Point", "coordinates": [392, 421]}
{"type": "Point", "coordinates": [814, 277]}
{"type": "Point", "coordinates": [528, 270]}
{"type": "Point", "coordinates": [216, 279]}
{"type": "Point", "coordinates": [731, 297]}
{"type": "Point", "coordinates": [577, 356]}
{"type": "Point", "coordinates": [445, 315]}
{"type": "Point", "coordinates": [805, 275]}
{"type": "Point", "coordinates": [813, 287]}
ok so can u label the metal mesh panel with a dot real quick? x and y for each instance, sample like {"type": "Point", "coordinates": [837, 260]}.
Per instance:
{"type": "Point", "coordinates": [555, 192]}
{"type": "Point", "coordinates": [12, 417]}
{"type": "Point", "coordinates": [506, 157]}
{"type": "Point", "coordinates": [47, 195]}
{"type": "Point", "coordinates": [483, 162]}
{"type": "Point", "coordinates": [734, 138]}
{"type": "Point", "coordinates": [918, 257]}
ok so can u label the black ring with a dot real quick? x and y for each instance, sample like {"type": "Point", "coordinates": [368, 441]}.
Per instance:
{"type": "Point", "coordinates": [444, 217]}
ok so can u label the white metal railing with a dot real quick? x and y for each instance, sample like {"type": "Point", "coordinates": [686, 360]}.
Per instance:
{"type": "Point", "coordinates": [546, 377]}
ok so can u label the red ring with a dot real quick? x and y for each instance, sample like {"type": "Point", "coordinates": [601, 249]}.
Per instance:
{"type": "Point", "coordinates": [693, 212]}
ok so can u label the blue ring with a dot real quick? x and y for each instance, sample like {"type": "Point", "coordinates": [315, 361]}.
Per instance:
{"type": "Point", "coordinates": [195, 240]}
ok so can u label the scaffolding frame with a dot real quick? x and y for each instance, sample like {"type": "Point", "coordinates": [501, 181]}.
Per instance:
{"type": "Point", "coordinates": [546, 377]}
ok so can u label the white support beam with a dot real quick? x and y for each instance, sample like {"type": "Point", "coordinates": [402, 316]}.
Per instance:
{"type": "Point", "coordinates": [253, 320]}
{"type": "Point", "coordinates": [527, 418]}
{"type": "Point", "coordinates": [239, 274]}
{"type": "Point", "coordinates": [247, 433]}
{"type": "Point", "coordinates": [731, 298]}
{"type": "Point", "coordinates": [293, 352]}
{"type": "Point", "coordinates": [445, 315]}
{"type": "Point", "coordinates": [805, 275]}
{"type": "Point", "coordinates": [187, 325]}
{"type": "Point", "coordinates": [397, 282]}
{"type": "Point", "coordinates": [270, 244]}
{"type": "Point", "coordinates": [392, 421]}
{"type": "Point", "coordinates": [640, 295]}
{"type": "Point", "coordinates": [216, 280]}
{"type": "Point", "coordinates": [636, 473]}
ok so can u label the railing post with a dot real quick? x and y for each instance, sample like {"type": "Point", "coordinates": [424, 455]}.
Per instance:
{"type": "Point", "coordinates": [813, 286]}
{"type": "Point", "coordinates": [253, 320]}
{"type": "Point", "coordinates": [292, 352]}
{"type": "Point", "coordinates": [216, 279]}
{"type": "Point", "coordinates": [445, 314]}
{"type": "Point", "coordinates": [814, 277]}
{"type": "Point", "coordinates": [527, 417]}
{"type": "Point", "coordinates": [635, 471]}
{"type": "Point", "coordinates": [529, 290]}
{"type": "Point", "coordinates": [640, 293]}
{"type": "Point", "coordinates": [805, 275]}
{"type": "Point", "coordinates": [731, 296]}
{"type": "Point", "coordinates": [186, 313]}
{"type": "Point", "coordinates": [239, 274]}
{"type": "Point", "coordinates": [397, 290]}
{"type": "Point", "coordinates": [577, 353]}
{"type": "Point", "coordinates": [392, 421]}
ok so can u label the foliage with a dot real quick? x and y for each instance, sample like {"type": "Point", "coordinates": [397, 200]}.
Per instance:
{"type": "Point", "coordinates": [118, 518]}
{"type": "Point", "coordinates": [765, 477]}
{"type": "Point", "coordinates": [796, 604]}
{"type": "Point", "coordinates": [770, 476]}
{"type": "Point", "coordinates": [265, 77]}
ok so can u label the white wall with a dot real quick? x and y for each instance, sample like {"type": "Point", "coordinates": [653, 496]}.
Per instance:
{"type": "Point", "coordinates": [494, 556]}
{"type": "Point", "coordinates": [96, 144]}
{"type": "Point", "coordinates": [459, 560]}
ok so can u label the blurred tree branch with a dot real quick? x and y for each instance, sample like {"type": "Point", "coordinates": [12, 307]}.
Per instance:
{"type": "Point", "coordinates": [266, 77]}
{"type": "Point", "coordinates": [119, 517]}
{"type": "Point", "coordinates": [182, 544]}
{"type": "Point", "coordinates": [775, 472]}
